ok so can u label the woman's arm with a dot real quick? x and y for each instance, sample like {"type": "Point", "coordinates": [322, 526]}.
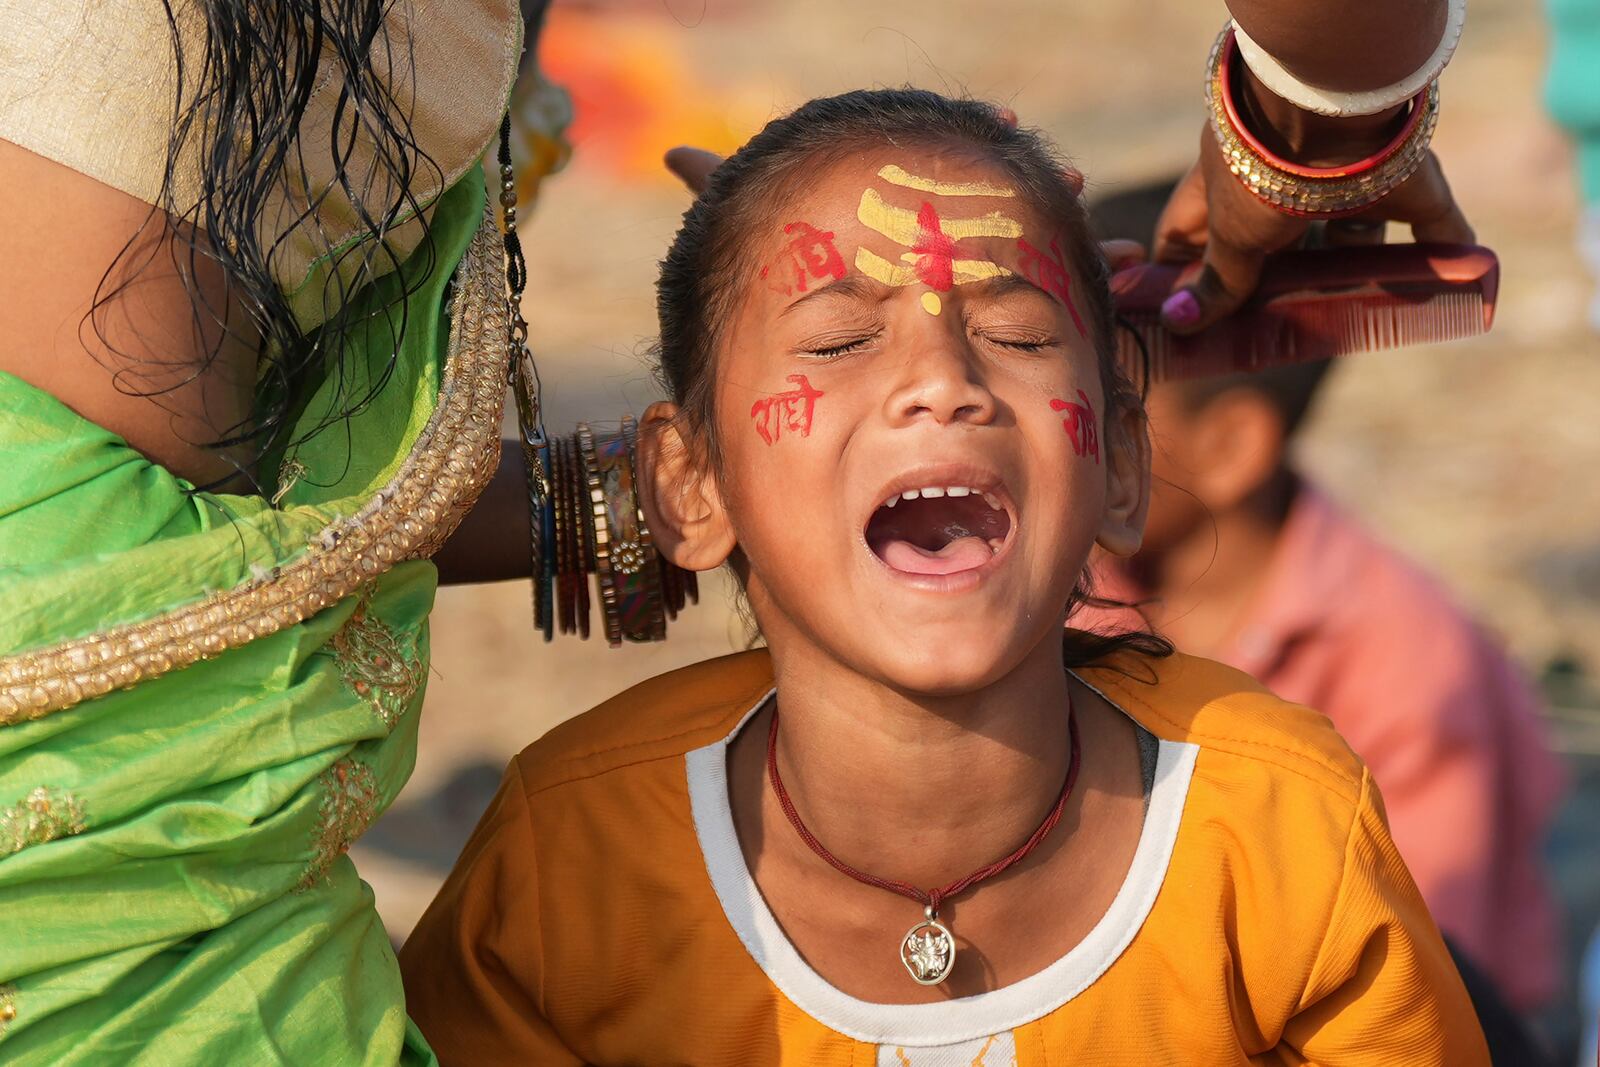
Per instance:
{"type": "Point", "coordinates": [491, 544]}
{"type": "Point", "coordinates": [136, 367]}
{"type": "Point", "coordinates": [1350, 46]}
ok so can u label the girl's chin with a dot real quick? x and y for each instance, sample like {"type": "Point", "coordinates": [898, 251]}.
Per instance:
{"type": "Point", "coordinates": [943, 680]}
{"type": "Point", "coordinates": [946, 661]}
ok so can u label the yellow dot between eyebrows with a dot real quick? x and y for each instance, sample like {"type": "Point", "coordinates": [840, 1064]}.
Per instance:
{"type": "Point", "coordinates": [931, 303]}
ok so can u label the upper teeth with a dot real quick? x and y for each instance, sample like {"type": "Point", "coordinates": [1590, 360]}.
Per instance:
{"type": "Point", "coordinates": [936, 491]}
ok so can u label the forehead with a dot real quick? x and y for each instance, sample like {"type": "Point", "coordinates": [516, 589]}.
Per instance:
{"type": "Point", "coordinates": [879, 226]}
{"type": "Point", "coordinates": [870, 191]}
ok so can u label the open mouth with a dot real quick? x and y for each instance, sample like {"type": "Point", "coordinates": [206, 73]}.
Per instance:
{"type": "Point", "coordinates": [938, 529]}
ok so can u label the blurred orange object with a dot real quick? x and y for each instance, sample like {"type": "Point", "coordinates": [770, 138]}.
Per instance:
{"type": "Point", "coordinates": [541, 114]}
{"type": "Point", "coordinates": [633, 92]}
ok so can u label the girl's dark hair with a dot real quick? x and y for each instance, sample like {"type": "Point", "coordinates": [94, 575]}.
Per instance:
{"type": "Point", "coordinates": [246, 70]}
{"type": "Point", "coordinates": [698, 287]}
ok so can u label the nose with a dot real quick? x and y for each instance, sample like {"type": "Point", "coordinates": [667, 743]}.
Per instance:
{"type": "Point", "coordinates": [943, 380]}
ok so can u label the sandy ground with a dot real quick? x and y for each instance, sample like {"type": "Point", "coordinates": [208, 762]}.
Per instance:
{"type": "Point", "coordinates": [1477, 457]}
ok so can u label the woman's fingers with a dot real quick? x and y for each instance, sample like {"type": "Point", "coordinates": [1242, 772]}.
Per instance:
{"type": "Point", "coordinates": [693, 166]}
{"type": "Point", "coordinates": [1450, 226]}
{"type": "Point", "coordinates": [1360, 230]}
{"type": "Point", "coordinates": [1217, 220]}
{"type": "Point", "coordinates": [1424, 200]}
{"type": "Point", "coordinates": [1120, 254]}
{"type": "Point", "coordinates": [1181, 230]}
{"type": "Point", "coordinates": [1228, 276]}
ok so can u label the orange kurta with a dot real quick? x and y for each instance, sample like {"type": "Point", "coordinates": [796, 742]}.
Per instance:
{"type": "Point", "coordinates": [601, 913]}
{"type": "Point", "coordinates": [1449, 726]}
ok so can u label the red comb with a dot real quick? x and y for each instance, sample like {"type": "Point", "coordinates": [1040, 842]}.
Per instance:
{"type": "Point", "coordinates": [1314, 305]}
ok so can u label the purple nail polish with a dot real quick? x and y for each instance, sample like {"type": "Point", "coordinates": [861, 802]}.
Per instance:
{"type": "Point", "coordinates": [1181, 308]}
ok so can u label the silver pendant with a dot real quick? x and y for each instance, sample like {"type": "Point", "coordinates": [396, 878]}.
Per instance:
{"type": "Point", "coordinates": [928, 950]}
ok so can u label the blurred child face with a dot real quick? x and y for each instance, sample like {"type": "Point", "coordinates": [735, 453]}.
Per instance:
{"type": "Point", "coordinates": [1209, 457]}
{"type": "Point", "coordinates": [913, 426]}
{"type": "Point", "coordinates": [1175, 506]}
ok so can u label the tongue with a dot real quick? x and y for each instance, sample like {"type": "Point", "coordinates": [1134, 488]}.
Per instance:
{"type": "Point", "coordinates": [962, 554]}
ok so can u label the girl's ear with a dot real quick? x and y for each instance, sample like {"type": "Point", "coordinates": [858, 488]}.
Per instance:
{"type": "Point", "coordinates": [679, 492]}
{"type": "Point", "coordinates": [1127, 479]}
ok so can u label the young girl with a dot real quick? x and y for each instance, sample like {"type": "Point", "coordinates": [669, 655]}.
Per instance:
{"type": "Point", "coordinates": [918, 829]}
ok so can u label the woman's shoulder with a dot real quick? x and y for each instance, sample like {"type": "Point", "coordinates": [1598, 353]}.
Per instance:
{"type": "Point", "coordinates": [657, 721]}
{"type": "Point", "coordinates": [1229, 715]}
{"type": "Point", "coordinates": [91, 86]}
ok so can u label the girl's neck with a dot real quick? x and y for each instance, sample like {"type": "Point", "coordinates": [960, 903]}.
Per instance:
{"type": "Point", "coordinates": [917, 787]}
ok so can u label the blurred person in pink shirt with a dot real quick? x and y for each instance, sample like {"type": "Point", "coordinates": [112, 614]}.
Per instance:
{"type": "Point", "coordinates": [1246, 562]}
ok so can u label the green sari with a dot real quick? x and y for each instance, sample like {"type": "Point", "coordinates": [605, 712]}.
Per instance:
{"type": "Point", "coordinates": [204, 698]}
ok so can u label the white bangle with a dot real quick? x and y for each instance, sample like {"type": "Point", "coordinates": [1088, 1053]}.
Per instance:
{"type": "Point", "coordinates": [1346, 105]}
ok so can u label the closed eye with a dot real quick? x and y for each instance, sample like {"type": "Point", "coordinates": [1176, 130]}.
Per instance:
{"type": "Point", "coordinates": [1021, 344]}
{"type": "Point", "coordinates": [834, 351]}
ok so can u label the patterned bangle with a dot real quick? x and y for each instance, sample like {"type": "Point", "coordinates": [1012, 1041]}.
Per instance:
{"type": "Point", "coordinates": [1316, 192]}
{"type": "Point", "coordinates": [646, 620]}
{"type": "Point", "coordinates": [592, 500]}
{"type": "Point", "coordinates": [623, 554]}
{"type": "Point", "coordinates": [574, 534]}
{"type": "Point", "coordinates": [524, 380]}
{"type": "Point", "coordinates": [541, 516]}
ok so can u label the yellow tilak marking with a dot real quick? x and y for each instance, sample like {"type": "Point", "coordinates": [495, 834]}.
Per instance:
{"type": "Point", "coordinates": [895, 176]}
{"type": "Point", "coordinates": [900, 225]}
{"type": "Point", "coordinates": [931, 303]}
{"type": "Point", "coordinates": [879, 269]}
{"type": "Point", "coordinates": [962, 271]}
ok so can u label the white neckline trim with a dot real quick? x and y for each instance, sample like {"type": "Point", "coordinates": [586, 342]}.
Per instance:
{"type": "Point", "coordinates": [966, 1018]}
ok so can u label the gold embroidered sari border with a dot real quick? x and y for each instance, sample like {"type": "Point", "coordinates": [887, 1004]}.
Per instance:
{"type": "Point", "coordinates": [44, 815]}
{"type": "Point", "coordinates": [452, 460]}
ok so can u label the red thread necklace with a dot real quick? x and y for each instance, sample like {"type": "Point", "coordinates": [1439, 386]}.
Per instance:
{"type": "Point", "coordinates": [928, 950]}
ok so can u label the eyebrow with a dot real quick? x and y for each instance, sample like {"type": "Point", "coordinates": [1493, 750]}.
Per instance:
{"type": "Point", "coordinates": [851, 285]}
{"type": "Point", "coordinates": [1004, 285]}
{"type": "Point", "coordinates": [859, 285]}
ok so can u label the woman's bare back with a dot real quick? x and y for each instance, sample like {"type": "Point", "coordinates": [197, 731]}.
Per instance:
{"type": "Point", "coordinates": [138, 366]}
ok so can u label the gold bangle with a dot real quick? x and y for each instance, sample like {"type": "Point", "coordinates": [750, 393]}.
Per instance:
{"type": "Point", "coordinates": [1316, 192]}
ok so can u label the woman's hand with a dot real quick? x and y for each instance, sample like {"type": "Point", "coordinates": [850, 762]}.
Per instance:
{"type": "Point", "coordinates": [1212, 218]}
{"type": "Point", "coordinates": [693, 166]}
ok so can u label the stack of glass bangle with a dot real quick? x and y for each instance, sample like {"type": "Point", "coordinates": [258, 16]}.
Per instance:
{"type": "Point", "coordinates": [593, 525]}
{"type": "Point", "coordinates": [584, 510]}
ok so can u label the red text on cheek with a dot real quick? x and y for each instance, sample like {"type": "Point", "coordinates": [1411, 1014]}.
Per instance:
{"type": "Point", "coordinates": [791, 410]}
{"type": "Point", "coordinates": [1049, 272]}
{"type": "Point", "coordinates": [811, 254]}
{"type": "Point", "coordinates": [1079, 425]}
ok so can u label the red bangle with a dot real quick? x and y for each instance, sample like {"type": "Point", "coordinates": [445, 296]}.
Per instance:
{"type": "Point", "coordinates": [1225, 74]}
{"type": "Point", "coordinates": [1311, 192]}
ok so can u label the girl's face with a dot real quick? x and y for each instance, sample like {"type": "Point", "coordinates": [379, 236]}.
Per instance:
{"type": "Point", "coordinates": [916, 456]}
